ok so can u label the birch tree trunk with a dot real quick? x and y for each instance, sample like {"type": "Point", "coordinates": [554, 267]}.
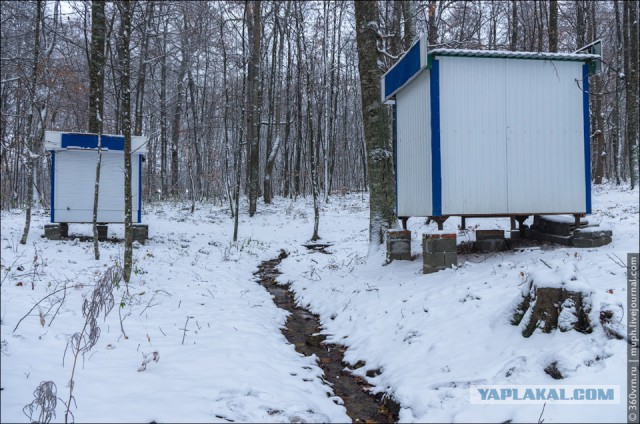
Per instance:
{"type": "Point", "coordinates": [31, 153]}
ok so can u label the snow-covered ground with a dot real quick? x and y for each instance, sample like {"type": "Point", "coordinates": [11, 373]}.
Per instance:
{"type": "Point", "coordinates": [431, 336]}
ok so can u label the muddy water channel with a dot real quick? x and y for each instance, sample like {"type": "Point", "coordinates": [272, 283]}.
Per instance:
{"type": "Point", "coordinates": [302, 330]}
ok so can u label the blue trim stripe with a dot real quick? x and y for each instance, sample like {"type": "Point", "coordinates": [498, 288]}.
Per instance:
{"type": "Point", "coordinates": [139, 189]}
{"type": "Point", "coordinates": [53, 185]}
{"type": "Point", "coordinates": [587, 135]}
{"type": "Point", "coordinates": [90, 141]}
{"type": "Point", "coordinates": [395, 150]}
{"type": "Point", "coordinates": [436, 171]}
{"type": "Point", "coordinates": [402, 72]}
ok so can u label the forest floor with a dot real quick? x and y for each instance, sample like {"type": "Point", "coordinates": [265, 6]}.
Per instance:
{"type": "Point", "coordinates": [217, 333]}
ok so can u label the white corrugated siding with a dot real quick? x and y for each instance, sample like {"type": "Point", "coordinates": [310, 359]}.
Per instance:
{"type": "Point", "coordinates": [545, 136]}
{"type": "Point", "coordinates": [413, 152]}
{"type": "Point", "coordinates": [511, 136]}
{"type": "Point", "coordinates": [472, 136]}
{"type": "Point", "coordinates": [75, 173]}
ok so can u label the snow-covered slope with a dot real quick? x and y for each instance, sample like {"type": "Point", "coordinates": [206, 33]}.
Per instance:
{"type": "Point", "coordinates": [429, 335]}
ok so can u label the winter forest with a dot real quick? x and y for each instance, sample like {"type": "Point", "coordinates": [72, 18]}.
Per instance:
{"type": "Point", "coordinates": [267, 267]}
{"type": "Point", "coordinates": [253, 97]}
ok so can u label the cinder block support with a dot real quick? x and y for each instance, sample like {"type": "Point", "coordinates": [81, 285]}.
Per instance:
{"type": "Point", "coordinates": [140, 233]}
{"type": "Point", "coordinates": [52, 231]}
{"type": "Point", "coordinates": [399, 245]}
{"type": "Point", "coordinates": [64, 229]}
{"type": "Point", "coordinates": [594, 238]}
{"type": "Point", "coordinates": [439, 251]}
{"type": "Point", "coordinates": [490, 240]}
{"type": "Point", "coordinates": [103, 229]}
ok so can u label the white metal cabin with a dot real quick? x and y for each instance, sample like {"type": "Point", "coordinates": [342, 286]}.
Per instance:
{"type": "Point", "coordinates": [490, 133]}
{"type": "Point", "coordinates": [74, 158]}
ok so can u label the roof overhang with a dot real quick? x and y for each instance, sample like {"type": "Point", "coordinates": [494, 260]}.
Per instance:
{"type": "Point", "coordinates": [405, 69]}
{"type": "Point", "coordinates": [60, 140]}
{"type": "Point", "coordinates": [418, 57]}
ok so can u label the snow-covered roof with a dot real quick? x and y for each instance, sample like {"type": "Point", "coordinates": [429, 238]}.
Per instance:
{"type": "Point", "coordinates": [514, 55]}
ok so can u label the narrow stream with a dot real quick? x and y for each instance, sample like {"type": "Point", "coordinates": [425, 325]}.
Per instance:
{"type": "Point", "coordinates": [302, 330]}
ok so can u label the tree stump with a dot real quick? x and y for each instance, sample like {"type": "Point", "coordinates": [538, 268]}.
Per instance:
{"type": "Point", "coordinates": [555, 300]}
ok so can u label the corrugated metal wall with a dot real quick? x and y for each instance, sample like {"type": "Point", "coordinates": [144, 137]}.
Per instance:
{"type": "Point", "coordinates": [511, 136]}
{"type": "Point", "coordinates": [472, 135]}
{"type": "Point", "coordinates": [545, 136]}
{"type": "Point", "coordinates": [75, 172]}
{"type": "Point", "coordinates": [413, 152]}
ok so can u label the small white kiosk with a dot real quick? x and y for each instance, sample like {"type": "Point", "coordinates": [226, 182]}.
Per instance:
{"type": "Point", "coordinates": [73, 175]}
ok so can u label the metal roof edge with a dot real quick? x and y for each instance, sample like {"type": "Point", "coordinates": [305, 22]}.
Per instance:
{"type": "Point", "coordinates": [580, 57]}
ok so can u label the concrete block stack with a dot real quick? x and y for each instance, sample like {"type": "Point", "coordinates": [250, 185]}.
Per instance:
{"type": "Point", "coordinates": [439, 251]}
{"type": "Point", "coordinates": [399, 245]}
{"type": "Point", "coordinates": [490, 241]}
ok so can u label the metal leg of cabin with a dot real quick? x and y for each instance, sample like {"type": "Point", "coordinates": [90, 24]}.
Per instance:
{"type": "Point", "coordinates": [440, 221]}
{"type": "Point", "coordinates": [521, 219]}
{"type": "Point", "coordinates": [463, 222]}
{"type": "Point", "coordinates": [404, 220]}
{"type": "Point", "coordinates": [512, 220]}
{"type": "Point", "coordinates": [577, 220]}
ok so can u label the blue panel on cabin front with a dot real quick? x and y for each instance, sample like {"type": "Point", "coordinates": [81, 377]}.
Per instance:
{"type": "Point", "coordinates": [53, 186]}
{"type": "Point", "coordinates": [587, 135]}
{"type": "Point", "coordinates": [139, 189]}
{"type": "Point", "coordinates": [408, 66]}
{"type": "Point", "coordinates": [90, 141]}
{"type": "Point", "coordinates": [436, 160]}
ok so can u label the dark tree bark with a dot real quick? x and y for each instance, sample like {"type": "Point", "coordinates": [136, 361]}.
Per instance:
{"type": "Point", "coordinates": [514, 25]}
{"type": "Point", "coordinates": [376, 128]}
{"type": "Point", "coordinates": [254, 31]}
{"type": "Point", "coordinates": [96, 100]}
{"type": "Point", "coordinates": [433, 28]}
{"type": "Point", "coordinates": [142, 68]}
{"type": "Point", "coordinates": [125, 77]}
{"type": "Point", "coordinates": [177, 120]}
{"type": "Point", "coordinates": [553, 25]}
{"type": "Point", "coordinates": [164, 131]}
{"type": "Point", "coordinates": [630, 29]}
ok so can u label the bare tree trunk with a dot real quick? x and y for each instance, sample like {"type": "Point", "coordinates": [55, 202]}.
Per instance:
{"type": "Point", "coordinates": [409, 14]}
{"type": "Point", "coordinates": [596, 91]}
{"type": "Point", "coordinates": [32, 157]}
{"type": "Point", "coordinates": [312, 139]}
{"type": "Point", "coordinates": [164, 131]}
{"type": "Point", "coordinates": [125, 58]}
{"type": "Point", "coordinates": [275, 105]}
{"type": "Point", "coordinates": [96, 101]}
{"type": "Point", "coordinates": [142, 69]}
{"type": "Point", "coordinates": [553, 25]}
{"type": "Point", "coordinates": [177, 118]}
{"type": "Point", "coordinates": [225, 121]}
{"type": "Point", "coordinates": [631, 82]}
{"type": "Point", "coordinates": [287, 126]}
{"type": "Point", "coordinates": [433, 29]}
{"type": "Point", "coordinates": [376, 128]}
{"type": "Point", "coordinates": [514, 25]}
{"type": "Point", "coordinates": [617, 115]}
{"type": "Point", "coordinates": [254, 30]}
